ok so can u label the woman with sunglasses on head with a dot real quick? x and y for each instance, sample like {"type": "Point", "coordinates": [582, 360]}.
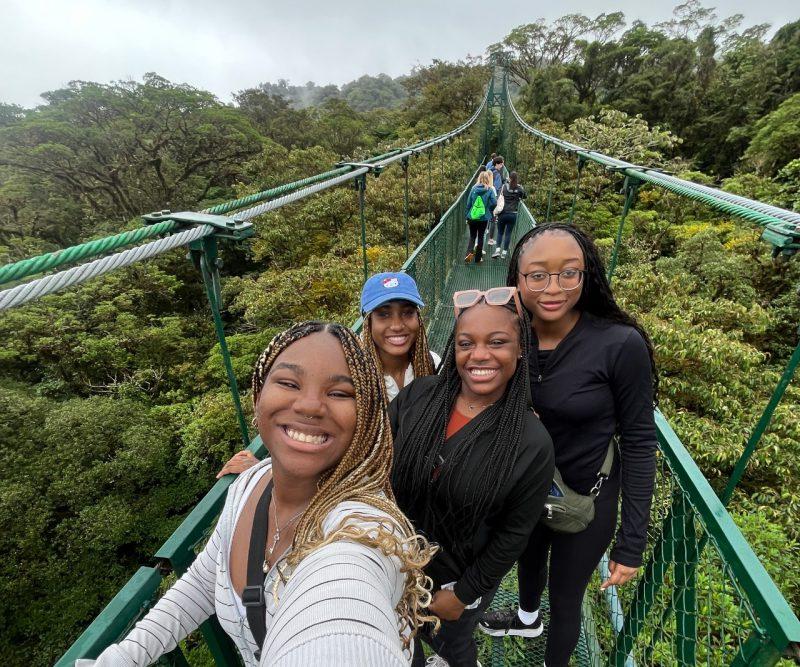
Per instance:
{"type": "Point", "coordinates": [393, 336]}
{"type": "Point", "coordinates": [592, 377]}
{"type": "Point", "coordinates": [311, 561]}
{"type": "Point", "coordinates": [472, 464]}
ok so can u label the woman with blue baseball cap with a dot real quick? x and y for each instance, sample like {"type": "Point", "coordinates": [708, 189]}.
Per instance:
{"type": "Point", "coordinates": [393, 332]}
{"type": "Point", "coordinates": [393, 336]}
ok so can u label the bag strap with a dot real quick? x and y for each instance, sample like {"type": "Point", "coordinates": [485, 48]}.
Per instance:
{"type": "Point", "coordinates": [253, 594]}
{"type": "Point", "coordinates": [605, 469]}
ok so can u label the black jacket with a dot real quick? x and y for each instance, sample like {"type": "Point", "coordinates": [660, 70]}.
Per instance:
{"type": "Point", "coordinates": [595, 383]}
{"type": "Point", "coordinates": [512, 197]}
{"type": "Point", "coordinates": [502, 537]}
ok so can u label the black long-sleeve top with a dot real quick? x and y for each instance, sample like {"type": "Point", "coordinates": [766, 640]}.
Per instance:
{"type": "Point", "coordinates": [595, 383]}
{"type": "Point", "coordinates": [512, 197]}
{"type": "Point", "coordinates": [501, 538]}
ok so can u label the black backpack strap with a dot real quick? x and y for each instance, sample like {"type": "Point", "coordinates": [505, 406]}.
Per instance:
{"type": "Point", "coordinates": [253, 594]}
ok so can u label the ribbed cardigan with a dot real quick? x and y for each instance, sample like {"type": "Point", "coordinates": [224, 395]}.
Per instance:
{"type": "Point", "coordinates": [338, 607]}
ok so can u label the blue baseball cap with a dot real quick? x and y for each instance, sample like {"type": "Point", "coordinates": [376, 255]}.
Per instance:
{"type": "Point", "coordinates": [383, 287]}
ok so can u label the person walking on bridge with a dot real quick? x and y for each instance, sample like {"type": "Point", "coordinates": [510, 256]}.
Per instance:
{"type": "Point", "coordinates": [499, 173]}
{"type": "Point", "coordinates": [512, 193]}
{"type": "Point", "coordinates": [480, 204]}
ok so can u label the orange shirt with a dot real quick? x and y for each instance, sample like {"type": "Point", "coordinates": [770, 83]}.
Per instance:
{"type": "Point", "coordinates": [456, 423]}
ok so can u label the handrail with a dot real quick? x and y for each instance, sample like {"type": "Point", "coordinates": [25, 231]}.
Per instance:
{"type": "Point", "coordinates": [768, 602]}
{"type": "Point", "coordinates": [777, 220]}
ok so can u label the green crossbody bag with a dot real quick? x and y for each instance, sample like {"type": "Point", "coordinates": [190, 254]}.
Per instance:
{"type": "Point", "coordinates": [566, 511]}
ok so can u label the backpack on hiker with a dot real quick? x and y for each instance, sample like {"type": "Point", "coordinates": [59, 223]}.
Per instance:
{"type": "Point", "coordinates": [478, 209]}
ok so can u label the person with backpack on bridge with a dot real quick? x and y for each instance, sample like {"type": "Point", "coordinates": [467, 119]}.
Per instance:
{"type": "Point", "coordinates": [497, 168]}
{"type": "Point", "coordinates": [480, 204]}
{"type": "Point", "coordinates": [510, 195]}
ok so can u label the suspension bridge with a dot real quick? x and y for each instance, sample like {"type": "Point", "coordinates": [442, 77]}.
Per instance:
{"type": "Point", "coordinates": [703, 596]}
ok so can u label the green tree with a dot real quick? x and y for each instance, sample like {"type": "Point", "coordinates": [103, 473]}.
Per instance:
{"type": "Point", "coordinates": [777, 137]}
{"type": "Point", "coordinates": [130, 147]}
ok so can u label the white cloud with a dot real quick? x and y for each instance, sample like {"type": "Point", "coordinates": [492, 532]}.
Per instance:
{"type": "Point", "coordinates": [224, 47]}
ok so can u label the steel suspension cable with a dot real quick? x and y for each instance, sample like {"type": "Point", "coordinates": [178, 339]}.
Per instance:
{"type": "Point", "coordinates": [758, 212]}
{"type": "Point", "coordinates": [28, 267]}
{"type": "Point", "coordinates": [34, 289]}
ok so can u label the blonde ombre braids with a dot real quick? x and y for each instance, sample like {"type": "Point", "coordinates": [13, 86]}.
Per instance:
{"type": "Point", "coordinates": [420, 353]}
{"type": "Point", "coordinates": [362, 475]}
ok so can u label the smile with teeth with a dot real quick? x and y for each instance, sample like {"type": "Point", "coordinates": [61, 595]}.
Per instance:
{"type": "Point", "coordinates": [482, 372]}
{"type": "Point", "coordinates": [397, 340]}
{"type": "Point", "coordinates": [319, 439]}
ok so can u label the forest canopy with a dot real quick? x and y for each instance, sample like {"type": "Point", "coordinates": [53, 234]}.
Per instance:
{"type": "Point", "coordinates": [114, 408]}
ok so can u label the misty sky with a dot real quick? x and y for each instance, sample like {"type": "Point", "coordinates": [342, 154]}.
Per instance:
{"type": "Point", "coordinates": [227, 46]}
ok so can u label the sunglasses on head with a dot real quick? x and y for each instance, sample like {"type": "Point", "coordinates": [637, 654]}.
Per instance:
{"type": "Point", "coordinates": [496, 296]}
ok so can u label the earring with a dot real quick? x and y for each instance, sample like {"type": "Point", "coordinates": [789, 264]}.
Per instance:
{"type": "Point", "coordinates": [253, 421]}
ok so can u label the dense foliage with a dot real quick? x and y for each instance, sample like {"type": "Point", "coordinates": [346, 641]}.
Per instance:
{"type": "Point", "coordinates": [114, 409]}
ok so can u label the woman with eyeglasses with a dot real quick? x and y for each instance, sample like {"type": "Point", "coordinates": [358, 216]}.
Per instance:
{"type": "Point", "coordinates": [472, 464]}
{"type": "Point", "coordinates": [592, 377]}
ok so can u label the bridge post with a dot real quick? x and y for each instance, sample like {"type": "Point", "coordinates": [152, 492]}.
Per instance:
{"type": "Point", "coordinates": [430, 190]}
{"type": "Point", "coordinates": [441, 179]}
{"type": "Point", "coordinates": [541, 169]}
{"type": "Point", "coordinates": [581, 164]}
{"type": "Point", "coordinates": [630, 188]}
{"type": "Point", "coordinates": [404, 165]}
{"type": "Point", "coordinates": [552, 183]}
{"type": "Point", "coordinates": [361, 186]}
{"type": "Point", "coordinates": [762, 425]}
{"type": "Point", "coordinates": [205, 255]}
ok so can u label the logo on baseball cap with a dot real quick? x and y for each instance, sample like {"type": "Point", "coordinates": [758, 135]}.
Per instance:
{"type": "Point", "coordinates": [384, 287]}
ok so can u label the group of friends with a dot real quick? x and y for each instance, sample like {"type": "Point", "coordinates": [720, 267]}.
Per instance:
{"type": "Point", "coordinates": [492, 206]}
{"type": "Point", "coordinates": [401, 488]}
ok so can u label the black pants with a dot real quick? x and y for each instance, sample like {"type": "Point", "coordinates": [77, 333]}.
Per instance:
{"type": "Point", "coordinates": [505, 225]}
{"type": "Point", "coordinates": [454, 641]}
{"type": "Point", "coordinates": [573, 558]}
{"type": "Point", "coordinates": [476, 231]}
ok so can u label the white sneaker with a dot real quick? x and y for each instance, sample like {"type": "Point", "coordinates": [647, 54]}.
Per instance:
{"type": "Point", "coordinates": [504, 255]}
{"type": "Point", "coordinates": [496, 253]}
{"type": "Point", "coordinates": [439, 661]}
{"type": "Point", "coordinates": [491, 242]}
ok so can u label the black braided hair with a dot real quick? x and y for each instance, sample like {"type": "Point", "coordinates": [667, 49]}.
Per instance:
{"type": "Point", "coordinates": [596, 296]}
{"type": "Point", "coordinates": [431, 505]}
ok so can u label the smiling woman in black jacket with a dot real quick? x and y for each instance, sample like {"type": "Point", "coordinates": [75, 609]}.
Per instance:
{"type": "Point", "coordinates": [473, 463]}
{"type": "Point", "coordinates": [592, 377]}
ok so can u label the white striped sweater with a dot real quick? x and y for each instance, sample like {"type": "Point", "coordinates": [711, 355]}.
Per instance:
{"type": "Point", "coordinates": [338, 607]}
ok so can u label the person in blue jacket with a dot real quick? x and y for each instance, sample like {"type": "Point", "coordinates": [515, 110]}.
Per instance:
{"type": "Point", "coordinates": [497, 168]}
{"type": "Point", "coordinates": [476, 220]}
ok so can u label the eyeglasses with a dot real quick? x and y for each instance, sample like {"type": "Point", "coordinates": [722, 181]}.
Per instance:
{"type": "Point", "coordinates": [496, 296]}
{"type": "Point", "coordinates": [539, 281]}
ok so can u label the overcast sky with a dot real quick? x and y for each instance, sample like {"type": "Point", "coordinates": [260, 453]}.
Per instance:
{"type": "Point", "coordinates": [227, 46]}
